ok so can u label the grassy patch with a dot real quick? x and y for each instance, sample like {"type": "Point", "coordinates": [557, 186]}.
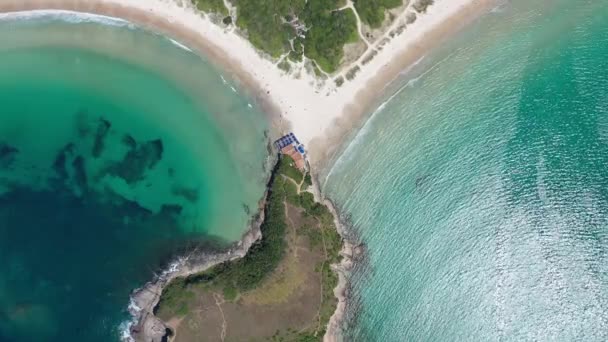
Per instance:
{"type": "Point", "coordinates": [175, 300]}
{"type": "Point", "coordinates": [329, 32]}
{"type": "Point", "coordinates": [268, 274]}
{"type": "Point", "coordinates": [315, 239]}
{"type": "Point", "coordinates": [284, 65]}
{"type": "Point", "coordinates": [287, 168]}
{"type": "Point", "coordinates": [281, 285]}
{"type": "Point", "coordinates": [230, 293]}
{"type": "Point", "coordinates": [290, 189]}
{"type": "Point", "coordinates": [307, 181]}
{"type": "Point", "coordinates": [247, 273]}
{"type": "Point", "coordinates": [211, 6]}
{"type": "Point", "coordinates": [350, 75]}
{"type": "Point", "coordinates": [421, 5]}
{"type": "Point", "coordinates": [339, 81]}
{"type": "Point", "coordinates": [271, 24]}
{"type": "Point", "coordinates": [372, 12]}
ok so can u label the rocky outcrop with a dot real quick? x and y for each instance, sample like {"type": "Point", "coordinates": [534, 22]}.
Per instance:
{"type": "Point", "coordinates": [146, 326]}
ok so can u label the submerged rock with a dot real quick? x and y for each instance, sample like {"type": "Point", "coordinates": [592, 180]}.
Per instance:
{"type": "Point", "coordinates": [103, 128]}
{"type": "Point", "coordinates": [138, 160]}
{"type": "Point", "coordinates": [7, 155]}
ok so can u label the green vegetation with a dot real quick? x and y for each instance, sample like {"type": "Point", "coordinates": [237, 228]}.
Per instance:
{"type": "Point", "coordinates": [265, 23]}
{"type": "Point", "coordinates": [284, 65]}
{"type": "Point", "coordinates": [307, 181]}
{"type": "Point", "coordinates": [296, 54]}
{"type": "Point", "coordinates": [325, 237]}
{"type": "Point", "coordinates": [211, 6]}
{"type": "Point", "coordinates": [421, 5]}
{"type": "Point", "coordinates": [329, 32]}
{"type": "Point", "coordinates": [272, 24]}
{"type": "Point", "coordinates": [229, 293]}
{"type": "Point", "coordinates": [176, 297]}
{"type": "Point", "coordinates": [339, 81]}
{"type": "Point", "coordinates": [372, 12]}
{"type": "Point", "coordinates": [262, 258]}
{"type": "Point", "coordinates": [239, 276]}
{"type": "Point", "coordinates": [314, 238]}
{"type": "Point", "coordinates": [288, 169]}
{"type": "Point", "coordinates": [243, 274]}
{"type": "Point", "coordinates": [350, 75]}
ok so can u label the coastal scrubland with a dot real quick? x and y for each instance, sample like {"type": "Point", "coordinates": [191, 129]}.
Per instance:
{"type": "Point", "coordinates": [317, 29]}
{"type": "Point", "coordinates": [373, 12]}
{"type": "Point", "coordinates": [282, 290]}
{"type": "Point", "coordinates": [214, 6]}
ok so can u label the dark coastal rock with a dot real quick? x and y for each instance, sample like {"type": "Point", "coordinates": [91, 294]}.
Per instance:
{"type": "Point", "coordinates": [359, 251]}
{"type": "Point", "coordinates": [60, 162]}
{"type": "Point", "coordinates": [80, 174]}
{"type": "Point", "coordinates": [103, 128]}
{"type": "Point", "coordinates": [138, 160]}
{"type": "Point", "coordinates": [7, 155]}
{"type": "Point", "coordinates": [129, 141]}
{"type": "Point", "coordinates": [171, 211]}
{"type": "Point", "coordinates": [82, 124]}
{"type": "Point", "coordinates": [191, 195]}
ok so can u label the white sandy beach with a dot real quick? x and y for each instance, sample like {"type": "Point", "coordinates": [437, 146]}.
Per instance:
{"type": "Point", "coordinates": [320, 114]}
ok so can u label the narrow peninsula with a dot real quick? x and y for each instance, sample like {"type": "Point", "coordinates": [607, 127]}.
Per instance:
{"type": "Point", "coordinates": [282, 289]}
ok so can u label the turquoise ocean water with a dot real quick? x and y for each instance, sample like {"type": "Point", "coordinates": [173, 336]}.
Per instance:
{"type": "Point", "coordinates": [481, 187]}
{"type": "Point", "coordinates": [118, 151]}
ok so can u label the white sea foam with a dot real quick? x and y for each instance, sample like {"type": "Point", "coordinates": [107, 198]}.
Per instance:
{"type": "Point", "coordinates": [347, 155]}
{"type": "Point", "coordinates": [180, 45]}
{"type": "Point", "coordinates": [125, 331]}
{"type": "Point", "coordinates": [133, 306]}
{"type": "Point", "coordinates": [359, 137]}
{"type": "Point", "coordinates": [412, 66]}
{"type": "Point", "coordinates": [125, 327]}
{"type": "Point", "coordinates": [498, 9]}
{"type": "Point", "coordinates": [65, 16]}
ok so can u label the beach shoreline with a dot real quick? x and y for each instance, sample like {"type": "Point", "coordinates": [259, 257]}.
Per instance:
{"type": "Point", "coordinates": [322, 115]}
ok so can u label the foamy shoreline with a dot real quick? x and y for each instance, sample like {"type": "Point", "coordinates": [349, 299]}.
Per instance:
{"type": "Point", "coordinates": [321, 115]}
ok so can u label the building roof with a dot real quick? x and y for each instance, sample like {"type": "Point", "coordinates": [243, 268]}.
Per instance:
{"type": "Point", "coordinates": [296, 156]}
{"type": "Point", "coordinates": [301, 164]}
{"type": "Point", "coordinates": [288, 149]}
{"type": "Point", "coordinates": [286, 140]}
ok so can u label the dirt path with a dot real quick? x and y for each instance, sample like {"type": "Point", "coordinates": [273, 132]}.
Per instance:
{"type": "Point", "coordinates": [349, 4]}
{"type": "Point", "coordinates": [374, 46]}
{"type": "Point", "coordinates": [219, 300]}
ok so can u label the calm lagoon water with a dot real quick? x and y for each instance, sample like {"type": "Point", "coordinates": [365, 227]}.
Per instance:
{"type": "Point", "coordinates": [481, 188]}
{"type": "Point", "coordinates": [118, 150]}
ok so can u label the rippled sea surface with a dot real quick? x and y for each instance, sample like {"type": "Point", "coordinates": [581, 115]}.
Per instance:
{"type": "Point", "coordinates": [481, 188]}
{"type": "Point", "coordinates": [118, 151]}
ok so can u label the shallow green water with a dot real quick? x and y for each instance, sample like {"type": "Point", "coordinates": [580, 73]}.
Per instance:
{"type": "Point", "coordinates": [111, 163]}
{"type": "Point", "coordinates": [481, 189]}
